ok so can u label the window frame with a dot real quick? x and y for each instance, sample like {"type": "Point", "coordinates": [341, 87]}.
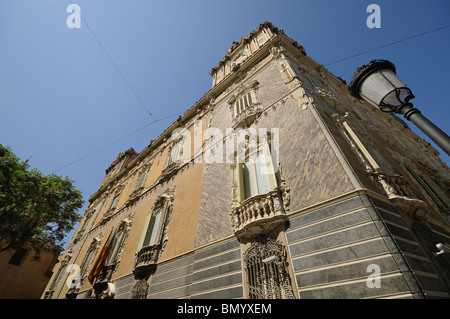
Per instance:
{"type": "Point", "coordinates": [117, 245]}
{"type": "Point", "coordinates": [371, 166]}
{"type": "Point", "coordinates": [243, 102]}
{"type": "Point", "coordinates": [150, 226]}
{"type": "Point", "coordinates": [88, 258]}
{"type": "Point", "coordinates": [140, 182]}
{"type": "Point", "coordinates": [250, 160]}
{"type": "Point", "coordinates": [114, 202]}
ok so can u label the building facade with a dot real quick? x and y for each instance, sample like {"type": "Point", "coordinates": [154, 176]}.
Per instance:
{"type": "Point", "coordinates": [24, 277]}
{"type": "Point", "coordinates": [277, 183]}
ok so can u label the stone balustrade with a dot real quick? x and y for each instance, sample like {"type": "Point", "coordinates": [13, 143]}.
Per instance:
{"type": "Point", "coordinates": [146, 258]}
{"type": "Point", "coordinates": [258, 215]}
{"type": "Point", "coordinates": [248, 115]}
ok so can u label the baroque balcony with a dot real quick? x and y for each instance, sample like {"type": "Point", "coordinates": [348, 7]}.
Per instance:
{"type": "Point", "coordinates": [146, 259]}
{"type": "Point", "coordinates": [402, 195]}
{"type": "Point", "coordinates": [247, 116]}
{"type": "Point", "coordinates": [169, 171]}
{"type": "Point", "coordinates": [258, 215]}
{"type": "Point", "coordinates": [106, 274]}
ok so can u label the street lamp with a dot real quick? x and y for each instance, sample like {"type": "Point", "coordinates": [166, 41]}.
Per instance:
{"type": "Point", "coordinates": [377, 83]}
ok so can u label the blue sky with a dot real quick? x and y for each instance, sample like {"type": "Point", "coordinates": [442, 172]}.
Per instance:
{"type": "Point", "coordinates": [65, 107]}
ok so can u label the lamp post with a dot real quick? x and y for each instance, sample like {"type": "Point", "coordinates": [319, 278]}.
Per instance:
{"type": "Point", "coordinates": [377, 83]}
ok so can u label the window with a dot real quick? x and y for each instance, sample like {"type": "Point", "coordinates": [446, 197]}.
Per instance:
{"type": "Point", "coordinates": [86, 221]}
{"type": "Point", "coordinates": [255, 173]}
{"type": "Point", "coordinates": [114, 202]}
{"type": "Point", "coordinates": [175, 153]}
{"type": "Point", "coordinates": [314, 82]}
{"type": "Point", "coordinates": [244, 102]}
{"type": "Point", "coordinates": [154, 236]}
{"type": "Point", "coordinates": [267, 276]}
{"type": "Point", "coordinates": [88, 216]}
{"type": "Point", "coordinates": [116, 246]}
{"type": "Point", "coordinates": [57, 276]}
{"type": "Point", "coordinates": [140, 181]}
{"type": "Point", "coordinates": [87, 260]}
{"type": "Point", "coordinates": [19, 256]}
{"type": "Point", "coordinates": [155, 228]}
{"type": "Point", "coordinates": [247, 99]}
{"type": "Point", "coordinates": [254, 178]}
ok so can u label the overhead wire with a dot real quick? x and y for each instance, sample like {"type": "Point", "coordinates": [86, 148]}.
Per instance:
{"type": "Point", "coordinates": [157, 120]}
{"type": "Point", "coordinates": [386, 45]}
{"type": "Point", "coordinates": [115, 141]}
{"type": "Point", "coordinates": [115, 66]}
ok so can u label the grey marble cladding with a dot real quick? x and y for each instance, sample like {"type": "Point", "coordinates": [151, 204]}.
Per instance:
{"type": "Point", "coordinates": [331, 248]}
{"type": "Point", "coordinates": [354, 290]}
{"type": "Point", "coordinates": [349, 253]}
{"type": "Point", "coordinates": [334, 224]}
{"type": "Point", "coordinates": [338, 273]}
{"type": "Point", "coordinates": [210, 270]}
{"type": "Point", "coordinates": [336, 239]}
{"type": "Point", "coordinates": [326, 212]}
{"type": "Point", "coordinates": [216, 249]}
{"type": "Point", "coordinates": [229, 293]}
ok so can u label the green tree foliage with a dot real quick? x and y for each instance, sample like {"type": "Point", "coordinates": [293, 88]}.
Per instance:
{"type": "Point", "coordinates": [35, 209]}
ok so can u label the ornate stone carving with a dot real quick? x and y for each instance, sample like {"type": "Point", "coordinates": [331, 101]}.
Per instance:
{"type": "Point", "coordinates": [140, 289]}
{"type": "Point", "coordinates": [104, 290]}
{"type": "Point", "coordinates": [259, 214]}
{"type": "Point", "coordinates": [247, 116]}
{"type": "Point", "coordinates": [169, 171]}
{"type": "Point", "coordinates": [146, 260]}
{"type": "Point", "coordinates": [277, 50]}
{"type": "Point", "coordinates": [145, 265]}
{"type": "Point", "coordinates": [402, 196]}
{"type": "Point", "coordinates": [147, 257]}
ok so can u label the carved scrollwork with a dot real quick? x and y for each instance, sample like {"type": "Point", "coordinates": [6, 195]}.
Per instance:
{"type": "Point", "coordinates": [247, 116]}
{"type": "Point", "coordinates": [260, 214]}
{"type": "Point", "coordinates": [402, 196]}
{"type": "Point", "coordinates": [146, 258]}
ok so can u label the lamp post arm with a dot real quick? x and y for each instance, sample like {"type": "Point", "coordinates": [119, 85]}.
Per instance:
{"type": "Point", "coordinates": [432, 131]}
